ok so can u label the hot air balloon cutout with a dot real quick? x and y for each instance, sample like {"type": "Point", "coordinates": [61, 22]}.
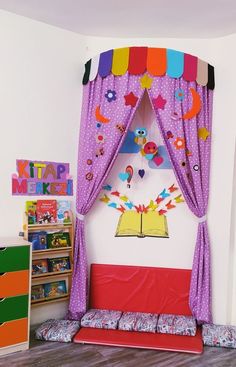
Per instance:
{"type": "Point", "coordinates": [127, 175]}
{"type": "Point", "coordinates": [142, 220]}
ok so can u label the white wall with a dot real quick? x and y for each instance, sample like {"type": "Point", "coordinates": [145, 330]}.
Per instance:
{"type": "Point", "coordinates": [41, 69]}
{"type": "Point", "coordinates": [40, 99]}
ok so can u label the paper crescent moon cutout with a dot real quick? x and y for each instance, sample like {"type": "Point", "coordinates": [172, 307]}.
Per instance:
{"type": "Point", "coordinates": [100, 117]}
{"type": "Point", "coordinates": [196, 105]}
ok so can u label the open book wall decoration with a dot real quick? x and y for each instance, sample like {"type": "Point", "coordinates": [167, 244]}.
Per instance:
{"type": "Point", "coordinates": [140, 220]}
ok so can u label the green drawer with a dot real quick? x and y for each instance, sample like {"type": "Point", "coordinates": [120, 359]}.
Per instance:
{"type": "Point", "coordinates": [14, 258]}
{"type": "Point", "coordinates": [13, 308]}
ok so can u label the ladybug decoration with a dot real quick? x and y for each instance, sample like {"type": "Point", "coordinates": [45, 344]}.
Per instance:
{"type": "Point", "coordinates": [150, 152]}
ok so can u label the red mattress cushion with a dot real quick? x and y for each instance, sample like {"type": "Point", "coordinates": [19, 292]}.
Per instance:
{"type": "Point", "coordinates": [134, 339]}
{"type": "Point", "coordinates": [140, 289]}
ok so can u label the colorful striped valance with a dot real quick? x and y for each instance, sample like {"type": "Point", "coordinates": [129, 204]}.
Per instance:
{"type": "Point", "coordinates": [156, 61]}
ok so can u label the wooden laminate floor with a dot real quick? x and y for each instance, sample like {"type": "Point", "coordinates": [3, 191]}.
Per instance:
{"type": "Point", "coordinates": [52, 354]}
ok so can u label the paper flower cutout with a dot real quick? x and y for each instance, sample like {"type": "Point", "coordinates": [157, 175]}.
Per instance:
{"type": "Point", "coordinates": [169, 135]}
{"type": "Point", "coordinates": [179, 94]}
{"type": "Point", "coordinates": [175, 116]}
{"type": "Point", "coordinates": [159, 102]}
{"type": "Point", "coordinates": [203, 133]}
{"type": "Point", "coordinates": [179, 143]}
{"type": "Point", "coordinates": [99, 152]}
{"type": "Point", "coordinates": [100, 138]}
{"type": "Point", "coordinates": [146, 82]}
{"type": "Point", "coordinates": [130, 99]}
{"type": "Point", "coordinates": [89, 176]}
{"type": "Point", "coordinates": [121, 128]}
{"type": "Point", "coordinates": [110, 95]}
{"type": "Point", "coordinates": [196, 167]}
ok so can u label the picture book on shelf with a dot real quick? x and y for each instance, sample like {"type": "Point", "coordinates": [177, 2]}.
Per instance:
{"type": "Point", "coordinates": [63, 211]}
{"type": "Point", "coordinates": [59, 264]}
{"type": "Point", "coordinates": [30, 209]}
{"type": "Point", "coordinates": [58, 239]}
{"type": "Point", "coordinates": [55, 289]}
{"type": "Point", "coordinates": [39, 266]}
{"type": "Point", "coordinates": [150, 224]}
{"type": "Point", "coordinates": [37, 292]}
{"type": "Point", "coordinates": [46, 211]}
{"type": "Point", "coordinates": [38, 239]}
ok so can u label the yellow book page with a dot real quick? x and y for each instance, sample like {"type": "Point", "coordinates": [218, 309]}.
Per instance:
{"type": "Point", "coordinates": [154, 225]}
{"type": "Point", "coordinates": [129, 224]}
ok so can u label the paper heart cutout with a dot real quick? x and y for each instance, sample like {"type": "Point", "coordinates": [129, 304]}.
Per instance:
{"type": "Point", "coordinates": [141, 172]}
{"type": "Point", "coordinates": [123, 176]}
{"type": "Point", "coordinates": [158, 160]}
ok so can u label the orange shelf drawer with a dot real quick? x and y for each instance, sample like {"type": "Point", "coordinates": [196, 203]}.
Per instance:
{"type": "Point", "coordinates": [14, 283]}
{"type": "Point", "coordinates": [13, 332]}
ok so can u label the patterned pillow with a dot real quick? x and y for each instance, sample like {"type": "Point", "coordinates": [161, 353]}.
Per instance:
{"type": "Point", "coordinates": [176, 324]}
{"type": "Point", "coordinates": [101, 319]}
{"type": "Point", "coordinates": [219, 335]}
{"type": "Point", "coordinates": [88, 317]}
{"type": "Point", "coordinates": [57, 330]}
{"type": "Point", "coordinates": [138, 321]}
{"type": "Point", "coordinates": [127, 321]}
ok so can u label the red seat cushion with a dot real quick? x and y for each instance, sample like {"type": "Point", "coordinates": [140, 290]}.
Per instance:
{"type": "Point", "coordinates": [135, 339]}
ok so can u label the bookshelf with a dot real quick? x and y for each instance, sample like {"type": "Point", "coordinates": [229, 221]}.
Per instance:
{"type": "Point", "coordinates": [51, 253]}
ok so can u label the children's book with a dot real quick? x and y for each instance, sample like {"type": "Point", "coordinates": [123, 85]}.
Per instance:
{"type": "Point", "coordinates": [59, 264]}
{"type": "Point", "coordinates": [38, 239]}
{"type": "Point", "coordinates": [64, 211]}
{"type": "Point", "coordinates": [39, 266]}
{"type": "Point", "coordinates": [55, 289]}
{"type": "Point", "coordinates": [150, 224]}
{"type": "Point", "coordinates": [46, 211]}
{"type": "Point", "coordinates": [58, 239]}
{"type": "Point", "coordinates": [30, 209]}
{"type": "Point", "coordinates": [37, 292]}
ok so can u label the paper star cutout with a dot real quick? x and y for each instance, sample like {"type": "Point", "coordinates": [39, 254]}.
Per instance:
{"type": "Point", "coordinates": [130, 99]}
{"type": "Point", "coordinates": [203, 133]}
{"type": "Point", "coordinates": [146, 82]}
{"type": "Point", "coordinates": [159, 102]}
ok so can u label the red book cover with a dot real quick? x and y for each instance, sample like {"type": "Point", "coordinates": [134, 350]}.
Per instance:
{"type": "Point", "coordinates": [46, 211]}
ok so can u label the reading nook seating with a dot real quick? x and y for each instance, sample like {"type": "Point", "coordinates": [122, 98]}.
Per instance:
{"type": "Point", "coordinates": [140, 289]}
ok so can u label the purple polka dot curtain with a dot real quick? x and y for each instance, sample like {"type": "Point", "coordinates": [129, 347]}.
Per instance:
{"type": "Point", "coordinates": [182, 103]}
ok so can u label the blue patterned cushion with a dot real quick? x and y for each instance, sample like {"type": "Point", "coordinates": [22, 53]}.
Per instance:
{"type": "Point", "coordinates": [219, 335]}
{"type": "Point", "coordinates": [101, 319]}
{"type": "Point", "coordinates": [176, 324]}
{"type": "Point", "coordinates": [57, 330]}
{"type": "Point", "coordinates": [138, 321]}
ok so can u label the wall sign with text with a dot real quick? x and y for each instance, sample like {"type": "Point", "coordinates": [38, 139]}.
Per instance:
{"type": "Point", "coordinates": [42, 178]}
